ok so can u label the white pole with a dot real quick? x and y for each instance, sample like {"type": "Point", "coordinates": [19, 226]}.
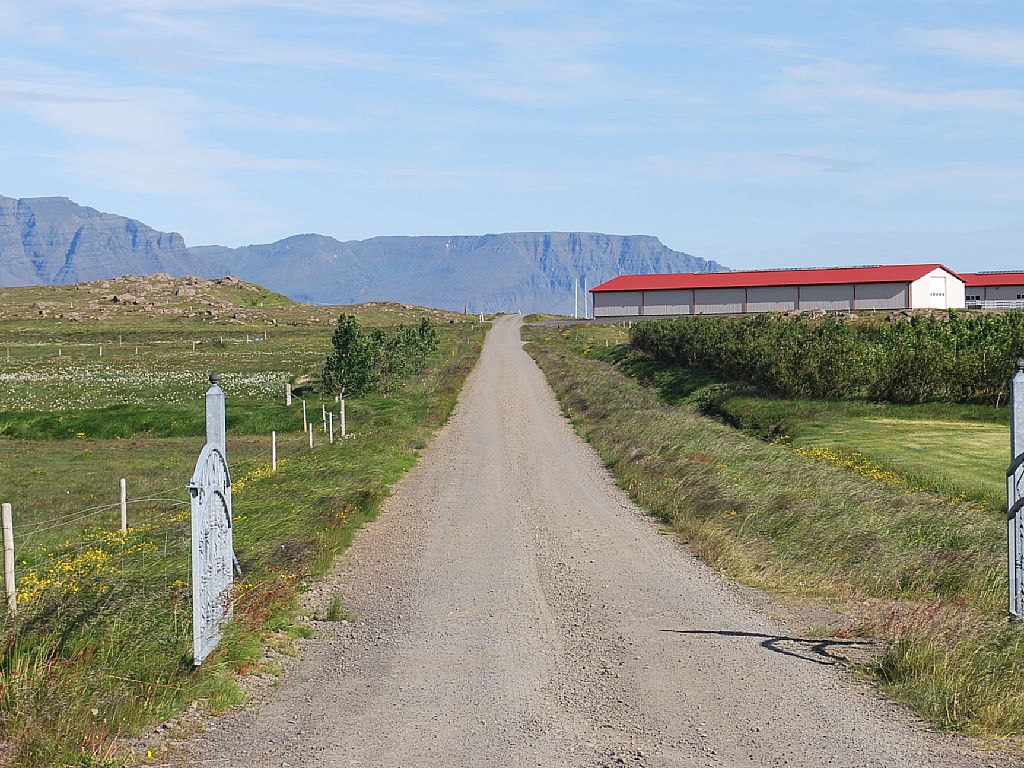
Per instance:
{"type": "Point", "coordinates": [124, 505]}
{"type": "Point", "coordinates": [136, 350]}
{"type": "Point", "coordinates": [575, 297]}
{"type": "Point", "coordinates": [287, 393]}
{"type": "Point", "coordinates": [341, 413]}
{"type": "Point", "coordinates": [586, 306]}
{"type": "Point", "coordinates": [330, 421]}
{"type": "Point", "coordinates": [12, 593]}
{"type": "Point", "coordinates": [323, 415]}
{"type": "Point", "coordinates": [311, 438]}
{"type": "Point", "coordinates": [305, 428]}
{"type": "Point", "coordinates": [101, 350]}
{"type": "Point", "coordinates": [193, 346]}
{"type": "Point", "coordinates": [273, 451]}
{"type": "Point", "coordinates": [1015, 518]}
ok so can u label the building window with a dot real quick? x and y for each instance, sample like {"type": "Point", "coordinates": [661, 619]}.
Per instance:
{"type": "Point", "coordinates": [1020, 297]}
{"type": "Point", "coordinates": [977, 297]}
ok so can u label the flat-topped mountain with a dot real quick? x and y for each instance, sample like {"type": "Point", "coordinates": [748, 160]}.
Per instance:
{"type": "Point", "coordinates": [55, 241]}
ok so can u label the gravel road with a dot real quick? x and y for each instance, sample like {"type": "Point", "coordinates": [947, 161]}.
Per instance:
{"type": "Point", "coordinates": [514, 608]}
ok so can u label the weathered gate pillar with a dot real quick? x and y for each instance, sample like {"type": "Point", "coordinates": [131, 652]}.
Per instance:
{"type": "Point", "coordinates": [1015, 496]}
{"type": "Point", "coordinates": [216, 428]}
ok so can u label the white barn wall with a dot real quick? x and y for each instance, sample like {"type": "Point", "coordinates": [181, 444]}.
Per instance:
{"type": "Point", "coordinates": [921, 289]}
{"type": "Point", "coordinates": [780, 298]}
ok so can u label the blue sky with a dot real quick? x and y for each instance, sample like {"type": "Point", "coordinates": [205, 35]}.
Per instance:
{"type": "Point", "coordinates": [759, 133]}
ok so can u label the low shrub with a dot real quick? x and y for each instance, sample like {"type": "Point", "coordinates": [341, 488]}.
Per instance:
{"type": "Point", "coordinates": [950, 356]}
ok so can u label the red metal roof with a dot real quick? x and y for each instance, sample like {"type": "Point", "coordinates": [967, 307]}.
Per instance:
{"type": "Point", "coordinates": [975, 279]}
{"type": "Point", "coordinates": [905, 273]}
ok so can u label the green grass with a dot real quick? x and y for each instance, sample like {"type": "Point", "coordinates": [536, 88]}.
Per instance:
{"type": "Point", "coordinates": [956, 458]}
{"type": "Point", "coordinates": [537, 317]}
{"type": "Point", "coordinates": [912, 567]}
{"type": "Point", "coordinates": [101, 646]}
{"type": "Point", "coordinates": [958, 450]}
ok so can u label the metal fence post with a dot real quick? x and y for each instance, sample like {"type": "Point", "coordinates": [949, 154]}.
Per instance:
{"type": "Point", "coordinates": [9, 588]}
{"type": "Point", "coordinates": [1015, 496]}
{"type": "Point", "coordinates": [216, 429]}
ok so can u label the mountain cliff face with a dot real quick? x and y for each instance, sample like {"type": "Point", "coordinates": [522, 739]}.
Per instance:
{"type": "Point", "coordinates": [531, 271]}
{"type": "Point", "coordinates": [51, 240]}
{"type": "Point", "coordinates": [54, 241]}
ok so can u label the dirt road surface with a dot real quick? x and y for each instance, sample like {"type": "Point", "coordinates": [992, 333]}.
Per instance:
{"type": "Point", "coordinates": [515, 609]}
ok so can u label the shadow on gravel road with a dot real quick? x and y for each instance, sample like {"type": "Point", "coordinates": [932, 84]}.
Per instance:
{"type": "Point", "coordinates": [819, 651]}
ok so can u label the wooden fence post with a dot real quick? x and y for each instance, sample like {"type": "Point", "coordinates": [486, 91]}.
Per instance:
{"type": "Point", "coordinates": [273, 451]}
{"type": "Point", "coordinates": [9, 588]}
{"type": "Point", "coordinates": [124, 505]}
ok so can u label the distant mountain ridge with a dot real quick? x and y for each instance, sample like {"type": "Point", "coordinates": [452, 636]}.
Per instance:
{"type": "Point", "coordinates": [56, 241]}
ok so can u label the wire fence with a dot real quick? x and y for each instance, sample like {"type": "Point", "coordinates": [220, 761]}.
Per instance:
{"type": "Point", "coordinates": [110, 556]}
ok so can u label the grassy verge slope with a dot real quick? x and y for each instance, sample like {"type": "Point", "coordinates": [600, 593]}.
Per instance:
{"type": "Point", "coordinates": [917, 569]}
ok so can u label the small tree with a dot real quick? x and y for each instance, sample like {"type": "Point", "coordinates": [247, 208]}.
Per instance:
{"type": "Point", "coordinates": [428, 335]}
{"type": "Point", "coordinates": [352, 366]}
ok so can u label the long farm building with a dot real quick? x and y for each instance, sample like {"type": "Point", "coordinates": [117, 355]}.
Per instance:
{"type": "Point", "coordinates": [844, 289]}
{"type": "Point", "coordinates": [995, 290]}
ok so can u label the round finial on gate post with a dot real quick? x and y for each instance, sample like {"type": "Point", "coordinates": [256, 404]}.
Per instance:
{"type": "Point", "coordinates": [214, 378]}
{"type": "Point", "coordinates": [1020, 363]}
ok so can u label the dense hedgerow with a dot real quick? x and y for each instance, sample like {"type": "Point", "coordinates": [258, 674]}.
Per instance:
{"type": "Point", "coordinates": [941, 356]}
{"type": "Point", "coordinates": [362, 363]}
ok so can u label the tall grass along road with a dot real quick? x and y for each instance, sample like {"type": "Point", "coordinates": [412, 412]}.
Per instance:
{"type": "Point", "coordinates": [512, 607]}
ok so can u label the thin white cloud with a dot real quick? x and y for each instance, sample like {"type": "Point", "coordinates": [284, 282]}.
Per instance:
{"type": "Point", "coordinates": [827, 85]}
{"type": "Point", "coordinates": [147, 140]}
{"type": "Point", "coordinates": [756, 165]}
{"type": "Point", "coordinates": [1002, 47]}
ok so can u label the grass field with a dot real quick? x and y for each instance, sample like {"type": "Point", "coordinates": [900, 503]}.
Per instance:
{"type": "Point", "coordinates": [960, 451]}
{"type": "Point", "coordinates": [101, 646]}
{"type": "Point", "coordinates": [919, 570]}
